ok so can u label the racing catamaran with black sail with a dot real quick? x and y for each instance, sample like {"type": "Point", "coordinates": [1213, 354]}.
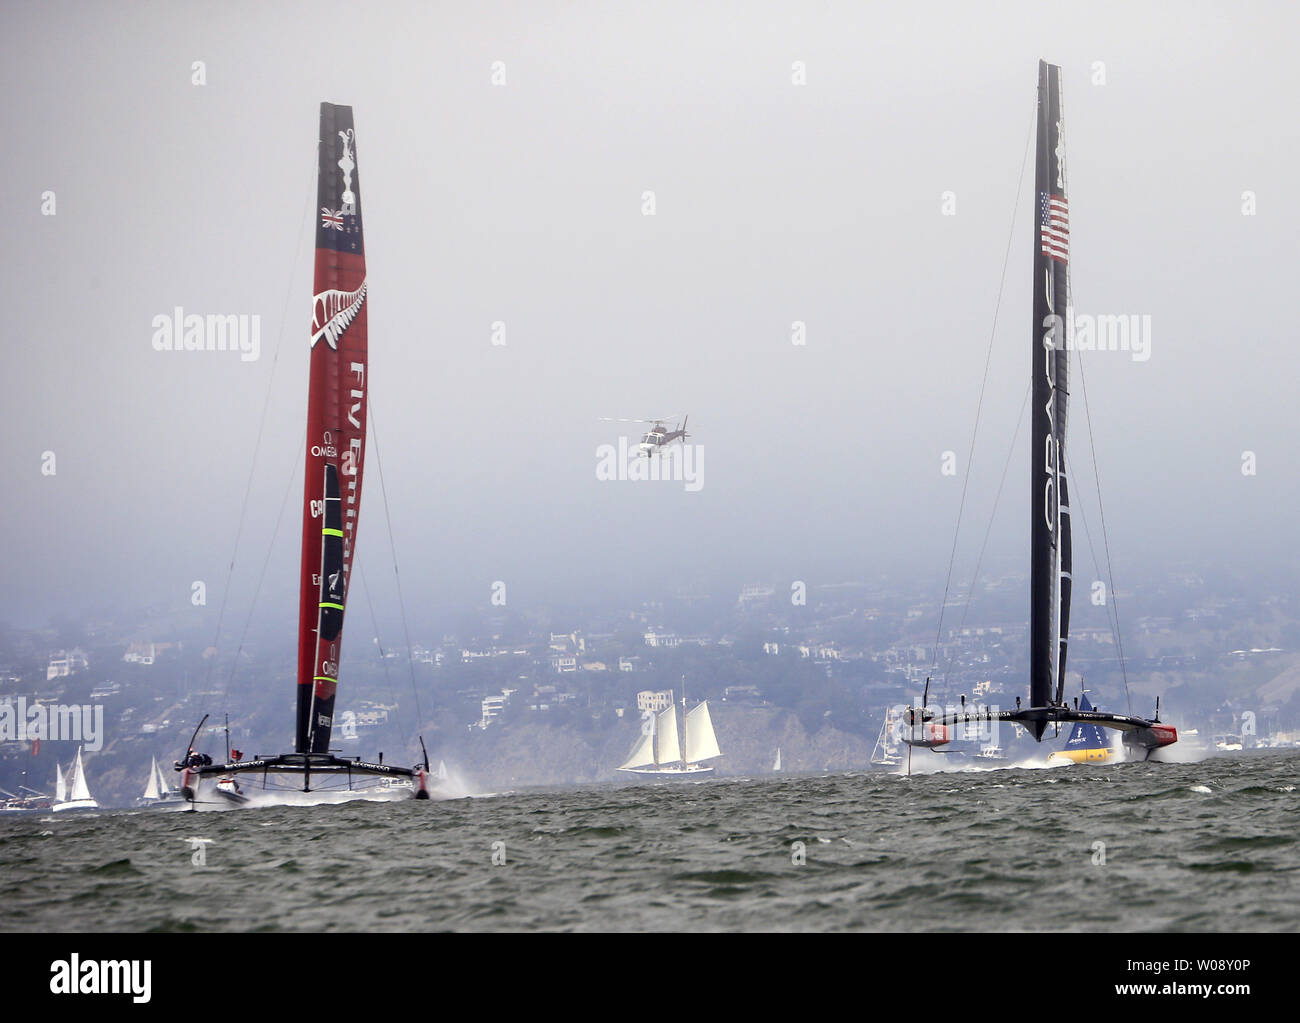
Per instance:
{"type": "Point", "coordinates": [1050, 549]}
{"type": "Point", "coordinates": [335, 449]}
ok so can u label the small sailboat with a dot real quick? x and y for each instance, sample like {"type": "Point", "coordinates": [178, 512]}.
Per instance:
{"type": "Point", "coordinates": [157, 791]}
{"type": "Point", "coordinates": [337, 418]}
{"type": "Point", "coordinates": [885, 753]}
{"type": "Point", "coordinates": [661, 754]}
{"type": "Point", "coordinates": [14, 802]}
{"type": "Point", "coordinates": [777, 766]}
{"type": "Point", "coordinates": [1050, 576]}
{"type": "Point", "coordinates": [1087, 743]}
{"type": "Point", "coordinates": [71, 791]}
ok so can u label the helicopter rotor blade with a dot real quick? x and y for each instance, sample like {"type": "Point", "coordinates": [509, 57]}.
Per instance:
{"type": "Point", "coordinates": [658, 419]}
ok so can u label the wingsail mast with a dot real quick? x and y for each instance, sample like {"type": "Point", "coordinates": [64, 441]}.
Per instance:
{"type": "Point", "coordinates": [1050, 561]}
{"type": "Point", "coordinates": [336, 427]}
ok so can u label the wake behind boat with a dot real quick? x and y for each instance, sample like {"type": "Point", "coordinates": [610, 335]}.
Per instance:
{"type": "Point", "coordinates": [1050, 557]}
{"type": "Point", "coordinates": [335, 450]}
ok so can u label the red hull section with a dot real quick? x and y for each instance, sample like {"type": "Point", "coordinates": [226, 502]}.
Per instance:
{"type": "Point", "coordinates": [1165, 735]}
{"type": "Point", "coordinates": [928, 734]}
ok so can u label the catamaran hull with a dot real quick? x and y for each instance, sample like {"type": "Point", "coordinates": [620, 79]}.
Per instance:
{"type": "Point", "coordinates": [229, 791]}
{"type": "Point", "coordinates": [1147, 740]}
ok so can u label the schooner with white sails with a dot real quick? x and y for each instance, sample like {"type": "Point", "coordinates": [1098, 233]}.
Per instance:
{"type": "Point", "coordinates": [664, 752]}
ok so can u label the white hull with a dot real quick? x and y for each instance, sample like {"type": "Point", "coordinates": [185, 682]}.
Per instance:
{"type": "Point", "coordinates": [669, 772]}
{"type": "Point", "coordinates": [208, 802]}
{"type": "Point", "coordinates": [76, 804]}
{"type": "Point", "coordinates": [172, 799]}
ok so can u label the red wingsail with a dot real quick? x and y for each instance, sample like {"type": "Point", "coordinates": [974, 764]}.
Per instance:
{"type": "Point", "coordinates": [336, 427]}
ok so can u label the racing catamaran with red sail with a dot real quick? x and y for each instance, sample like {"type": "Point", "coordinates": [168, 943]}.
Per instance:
{"type": "Point", "coordinates": [335, 450]}
{"type": "Point", "coordinates": [1050, 549]}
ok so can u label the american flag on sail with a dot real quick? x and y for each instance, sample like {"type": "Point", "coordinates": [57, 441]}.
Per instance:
{"type": "Point", "coordinates": [1054, 226]}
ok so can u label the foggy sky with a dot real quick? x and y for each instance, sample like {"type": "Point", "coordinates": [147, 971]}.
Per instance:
{"type": "Point", "coordinates": [522, 203]}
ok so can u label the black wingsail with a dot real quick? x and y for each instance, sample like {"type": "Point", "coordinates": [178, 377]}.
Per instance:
{"type": "Point", "coordinates": [1049, 582]}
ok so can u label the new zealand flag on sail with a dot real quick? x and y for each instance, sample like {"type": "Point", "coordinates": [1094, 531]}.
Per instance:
{"type": "Point", "coordinates": [338, 190]}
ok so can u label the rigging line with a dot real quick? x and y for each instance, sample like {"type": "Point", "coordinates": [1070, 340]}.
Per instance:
{"type": "Point", "coordinates": [266, 405]}
{"type": "Point", "coordinates": [979, 406]}
{"type": "Point", "coordinates": [1113, 603]}
{"type": "Point", "coordinates": [290, 479]}
{"type": "Point", "coordinates": [970, 594]}
{"type": "Point", "coordinates": [401, 603]}
{"type": "Point", "coordinates": [383, 659]}
{"type": "Point", "coordinates": [1092, 548]}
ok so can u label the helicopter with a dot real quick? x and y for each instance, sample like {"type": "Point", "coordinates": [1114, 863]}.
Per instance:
{"type": "Point", "coordinates": [658, 436]}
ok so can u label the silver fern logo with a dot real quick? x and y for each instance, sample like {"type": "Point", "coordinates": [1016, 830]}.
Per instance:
{"type": "Point", "coordinates": [333, 311]}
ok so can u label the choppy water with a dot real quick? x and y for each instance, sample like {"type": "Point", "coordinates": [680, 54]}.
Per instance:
{"type": "Point", "coordinates": [1207, 846]}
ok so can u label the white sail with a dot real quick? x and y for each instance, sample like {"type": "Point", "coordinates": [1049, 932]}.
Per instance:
{"type": "Point", "coordinates": [60, 787]}
{"type": "Point", "coordinates": [163, 789]}
{"type": "Point", "coordinates": [79, 789]}
{"type": "Point", "coordinates": [668, 747]}
{"type": "Point", "coordinates": [701, 742]}
{"type": "Point", "coordinates": [644, 753]}
{"type": "Point", "coordinates": [151, 790]}
{"type": "Point", "coordinates": [885, 751]}
{"type": "Point", "coordinates": [777, 765]}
